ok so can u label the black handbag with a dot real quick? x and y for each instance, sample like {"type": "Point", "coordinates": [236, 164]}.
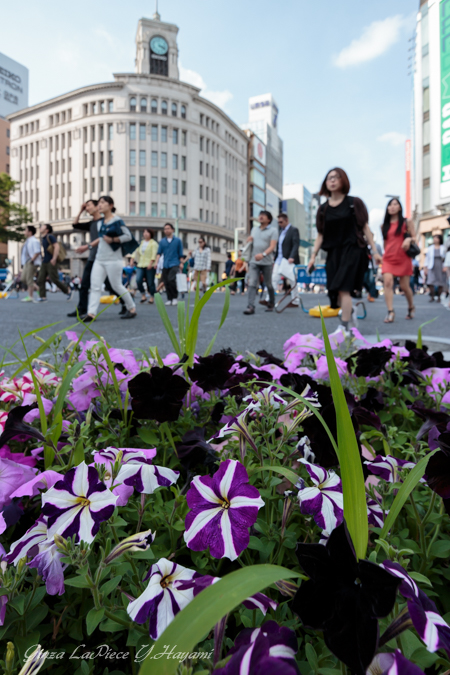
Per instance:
{"type": "Point", "coordinates": [413, 250]}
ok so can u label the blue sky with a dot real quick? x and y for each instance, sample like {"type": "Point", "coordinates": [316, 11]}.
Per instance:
{"type": "Point", "coordinates": [338, 70]}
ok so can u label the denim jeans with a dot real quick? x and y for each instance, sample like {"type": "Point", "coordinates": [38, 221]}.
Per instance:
{"type": "Point", "coordinates": [149, 276]}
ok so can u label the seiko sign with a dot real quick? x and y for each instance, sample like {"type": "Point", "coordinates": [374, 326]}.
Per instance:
{"type": "Point", "coordinates": [13, 86]}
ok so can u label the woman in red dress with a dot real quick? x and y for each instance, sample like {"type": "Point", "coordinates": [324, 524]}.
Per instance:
{"type": "Point", "coordinates": [398, 233]}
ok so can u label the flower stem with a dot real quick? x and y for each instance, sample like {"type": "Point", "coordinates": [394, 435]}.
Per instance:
{"type": "Point", "coordinates": [169, 436]}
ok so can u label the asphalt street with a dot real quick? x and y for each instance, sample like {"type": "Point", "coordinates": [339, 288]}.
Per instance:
{"type": "Point", "coordinates": [241, 333]}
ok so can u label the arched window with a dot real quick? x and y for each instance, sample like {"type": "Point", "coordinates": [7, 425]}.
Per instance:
{"type": "Point", "coordinates": [154, 105]}
{"type": "Point", "coordinates": [183, 112]}
{"type": "Point", "coordinates": [164, 107]}
{"type": "Point", "coordinates": [133, 104]}
{"type": "Point", "coordinates": [143, 105]}
{"type": "Point", "coordinates": [174, 110]}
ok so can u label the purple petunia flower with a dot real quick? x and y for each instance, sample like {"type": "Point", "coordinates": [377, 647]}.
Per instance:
{"type": "Point", "coordinates": [393, 664]}
{"type": "Point", "coordinates": [263, 651]}
{"type": "Point", "coordinates": [41, 481]}
{"type": "Point", "coordinates": [267, 396]}
{"type": "Point", "coordinates": [324, 501]}
{"type": "Point", "coordinates": [429, 624]}
{"type": "Point", "coordinates": [49, 567]}
{"type": "Point", "coordinates": [223, 507]}
{"type": "Point", "coordinates": [375, 513]}
{"type": "Point", "coordinates": [388, 467]}
{"type": "Point", "coordinates": [12, 475]}
{"type": "Point", "coordinates": [78, 504]}
{"type": "Point", "coordinates": [237, 425]}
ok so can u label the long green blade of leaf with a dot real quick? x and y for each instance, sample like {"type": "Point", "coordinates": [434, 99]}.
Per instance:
{"type": "Point", "coordinates": [226, 307]}
{"type": "Point", "coordinates": [419, 332]}
{"type": "Point", "coordinates": [353, 488]}
{"type": "Point", "coordinates": [181, 309]}
{"type": "Point", "coordinates": [201, 615]}
{"type": "Point", "coordinates": [167, 323]}
{"type": "Point", "coordinates": [402, 495]}
{"type": "Point", "coordinates": [64, 388]}
{"type": "Point", "coordinates": [282, 470]}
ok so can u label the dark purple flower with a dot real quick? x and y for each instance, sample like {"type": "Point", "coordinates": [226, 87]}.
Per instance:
{"type": "Point", "coordinates": [211, 372]}
{"type": "Point", "coordinates": [371, 362]}
{"type": "Point", "coordinates": [344, 598]}
{"type": "Point", "coordinates": [194, 451]}
{"type": "Point", "coordinates": [269, 358]}
{"type": "Point", "coordinates": [419, 359]}
{"type": "Point", "coordinates": [438, 470]}
{"type": "Point", "coordinates": [268, 650]}
{"type": "Point", "coordinates": [431, 418]}
{"type": "Point", "coordinates": [15, 426]}
{"type": "Point", "coordinates": [157, 395]}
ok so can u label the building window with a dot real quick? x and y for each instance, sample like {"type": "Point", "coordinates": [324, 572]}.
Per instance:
{"type": "Point", "coordinates": [183, 112]}
{"type": "Point", "coordinates": [102, 106]}
{"type": "Point", "coordinates": [201, 210]}
{"type": "Point", "coordinates": [132, 183]}
{"type": "Point", "coordinates": [133, 104]}
{"type": "Point", "coordinates": [201, 119]}
{"type": "Point", "coordinates": [201, 169]}
{"type": "Point", "coordinates": [183, 163]}
{"type": "Point", "coordinates": [183, 137]}
{"type": "Point", "coordinates": [110, 157]}
{"type": "Point", "coordinates": [183, 212]}
{"type": "Point", "coordinates": [132, 208]}
{"type": "Point", "coordinates": [102, 184]}
{"type": "Point", "coordinates": [141, 183]}
{"type": "Point", "coordinates": [175, 136]}
{"type": "Point", "coordinates": [212, 172]}
{"type": "Point", "coordinates": [174, 161]}
{"type": "Point", "coordinates": [110, 132]}
{"type": "Point", "coordinates": [93, 160]}
{"type": "Point", "coordinates": [110, 183]}
{"type": "Point", "coordinates": [174, 186]}
{"type": "Point", "coordinates": [207, 145]}
{"type": "Point", "coordinates": [141, 157]}
{"type": "Point", "coordinates": [164, 107]}
{"type": "Point", "coordinates": [143, 106]}
{"type": "Point", "coordinates": [207, 215]}
{"type": "Point", "coordinates": [154, 105]}
{"type": "Point", "coordinates": [154, 209]}
{"type": "Point", "coordinates": [201, 143]}
{"type": "Point", "coordinates": [163, 212]}
{"type": "Point", "coordinates": [207, 193]}
{"type": "Point", "coordinates": [85, 163]}
{"type": "Point", "coordinates": [164, 185]}
{"type": "Point", "coordinates": [102, 158]}
{"type": "Point", "coordinates": [142, 205]}
{"type": "Point", "coordinates": [207, 170]}
{"type": "Point", "coordinates": [164, 160]}
{"type": "Point", "coordinates": [183, 187]}
{"type": "Point", "coordinates": [132, 132]}
{"type": "Point", "coordinates": [212, 194]}
{"type": "Point", "coordinates": [201, 192]}
{"type": "Point", "coordinates": [85, 189]}
{"type": "Point", "coordinates": [101, 133]}
{"type": "Point", "coordinates": [154, 158]}
{"type": "Point", "coordinates": [174, 210]}
{"type": "Point", "coordinates": [110, 106]}
{"type": "Point", "coordinates": [93, 110]}
{"type": "Point", "coordinates": [92, 185]}
{"type": "Point", "coordinates": [164, 134]}
{"type": "Point", "coordinates": [132, 157]}
{"type": "Point", "coordinates": [154, 183]}
{"type": "Point", "coordinates": [174, 110]}
{"type": "Point", "coordinates": [142, 132]}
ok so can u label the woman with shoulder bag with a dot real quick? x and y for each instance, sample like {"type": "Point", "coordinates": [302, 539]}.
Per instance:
{"type": "Point", "coordinates": [399, 236]}
{"type": "Point", "coordinates": [434, 266]}
{"type": "Point", "coordinates": [113, 233]}
{"type": "Point", "coordinates": [343, 231]}
{"type": "Point", "coordinates": [146, 257]}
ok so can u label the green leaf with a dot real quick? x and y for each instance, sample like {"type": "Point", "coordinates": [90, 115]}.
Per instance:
{"type": "Point", "coordinates": [256, 544]}
{"type": "Point", "coordinates": [353, 488]}
{"type": "Point", "coordinates": [226, 307]}
{"type": "Point", "coordinates": [419, 332]}
{"type": "Point", "coordinates": [420, 578]}
{"type": "Point", "coordinates": [18, 603]}
{"type": "Point", "coordinates": [57, 428]}
{"type": "Point", "coordinates": [440, 549]}
{"type": "Point", "coordinates": [201, 615]}
{"type": "Point", "coordinates": [402, 495]}
{"type": "Point", "coordinates": [287, 473]}
{"type": "Point", "coordinates": [77, 582]}
{"type": "Point", "coordinates": [78, 453]}
{"type": "Point", "coordinates": [181, 310]}
{"type": "Point", "coordinates": [110, 585]}
{"type": "Point", "coordinates": [148, 436]}
{"type": "Point", "coordinates": [167, 324]}
{"type": "Point", "coordinates": [93, 618]}
{"type": "Point", "coordinates": [311, 656]}
{"type": "Point", "coordinates": [64, 388]}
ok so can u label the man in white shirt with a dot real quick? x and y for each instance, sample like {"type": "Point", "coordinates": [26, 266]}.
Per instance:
{"type": "Point", "coordinates": [286, 255]}
{"type": "Point", "coordinates": [31, 259]}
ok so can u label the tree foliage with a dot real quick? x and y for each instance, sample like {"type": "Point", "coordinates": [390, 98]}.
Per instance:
{"type": "Point", "coordinates": [13, 216]}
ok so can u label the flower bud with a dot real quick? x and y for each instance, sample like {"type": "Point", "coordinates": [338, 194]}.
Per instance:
{"type": "Point", "coordinates": [287, 588]}
{"type": "Point", "coordinates": [61, 543]}
{"type": "Point", "coordinates": [136, 542]}
{"type": "Point", "coordinates": [34, 662]}
{"type": "Point", "coordinates": [9, 659]}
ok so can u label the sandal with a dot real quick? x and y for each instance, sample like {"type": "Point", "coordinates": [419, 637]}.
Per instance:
{"type": "Point", "coordinates": [390, 316]}
{"type": "Point", "coordinates": [411, 311]}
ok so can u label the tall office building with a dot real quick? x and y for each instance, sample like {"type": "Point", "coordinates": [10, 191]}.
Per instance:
{"type": "Point", "coordinates": [297, 203]}
{"type": "Point", "coordinates": [263, 122]}
{"type": "Point", "coordinates": [432, 118]}
{"type": "Point", "coordinates": [152, 142]}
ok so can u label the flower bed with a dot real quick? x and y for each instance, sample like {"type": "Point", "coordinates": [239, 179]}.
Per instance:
{"type": "Point", "coordinates": [254, 514]}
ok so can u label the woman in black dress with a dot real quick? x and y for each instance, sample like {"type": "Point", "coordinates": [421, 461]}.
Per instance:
{"type": "Point", "coordinates": [343, 232]}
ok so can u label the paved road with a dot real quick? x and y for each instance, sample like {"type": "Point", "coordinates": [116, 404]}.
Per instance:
{"type": "Point", "coordinates": [260, 331]}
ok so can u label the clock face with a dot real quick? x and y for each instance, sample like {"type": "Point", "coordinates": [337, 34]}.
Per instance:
{"type": "Point", "coordinates": [159, 45]}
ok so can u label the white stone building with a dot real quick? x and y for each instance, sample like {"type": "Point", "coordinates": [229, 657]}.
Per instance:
{"type": "Point", "coordinates": [152, 142]}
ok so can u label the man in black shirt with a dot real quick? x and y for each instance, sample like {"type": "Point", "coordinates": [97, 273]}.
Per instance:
{"type": "Point", "coordinates": [91, 208]}
{"type": "Point", "coordinates": [49, 266]}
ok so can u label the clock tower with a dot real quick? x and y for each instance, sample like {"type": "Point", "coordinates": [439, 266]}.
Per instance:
{"type": "Point", "coordinates": [156, 48]}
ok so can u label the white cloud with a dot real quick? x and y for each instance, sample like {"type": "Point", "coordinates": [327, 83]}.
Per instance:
{"type": "Point", "coordinates": [219, 98]}
{"type": "Point", "coordinates": [375, 40]}
{"type": "Point", "coordinates": [395, 138]}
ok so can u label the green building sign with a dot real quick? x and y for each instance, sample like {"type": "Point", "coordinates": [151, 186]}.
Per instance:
{"type": "Point", "coordinates": [444, 21]}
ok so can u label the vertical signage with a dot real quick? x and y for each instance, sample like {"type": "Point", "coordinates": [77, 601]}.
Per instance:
{"type": "Point", "coordinates": [444, 26]}
{"type": "Point", "coordinates": [408, 178]}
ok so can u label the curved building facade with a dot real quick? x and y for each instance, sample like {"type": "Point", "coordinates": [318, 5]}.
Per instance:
{"type": "Point", "coordinates": [152, 142]}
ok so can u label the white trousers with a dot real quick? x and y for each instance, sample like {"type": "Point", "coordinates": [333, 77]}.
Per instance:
{"type": "Point", "coordinates": [277, 278]}
{"type": "Point", "coordinates": [112, 270]}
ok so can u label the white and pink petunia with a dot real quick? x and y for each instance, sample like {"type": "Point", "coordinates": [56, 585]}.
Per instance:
{"type": "Point", "coordinates": [324, 499]}
{"type": "Point", "coordinates": [223, 508]}
{"type": "Point", "coordinates": [78, 504]}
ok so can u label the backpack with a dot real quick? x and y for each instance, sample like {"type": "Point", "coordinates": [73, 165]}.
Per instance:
{"type": "Point", "coordinates": [62, 254]}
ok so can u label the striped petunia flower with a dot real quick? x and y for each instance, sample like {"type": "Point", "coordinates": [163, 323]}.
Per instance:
{"type": "Point", "coordinates": [388, 468]}
{"type": "Point", "coordinates": [324, 500]}
{"type": "Point", "coordinates": [223, 507]}
{"type": "Point", "coordinates": [76, 505]}
{"type": "Point", "coordinates": [268, 397]}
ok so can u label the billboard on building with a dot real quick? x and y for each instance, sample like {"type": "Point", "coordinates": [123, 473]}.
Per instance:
{"type": "Point", "coordinates": [444, 28]}
{"type": "Point", "coordinates": [258, 150]}
{"type": "Point", "coordinates": [408, 178]}
{"type": "Point", "coordinates": [13, 86]}
{"type": "Point", "coordinates": [264, 108]}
